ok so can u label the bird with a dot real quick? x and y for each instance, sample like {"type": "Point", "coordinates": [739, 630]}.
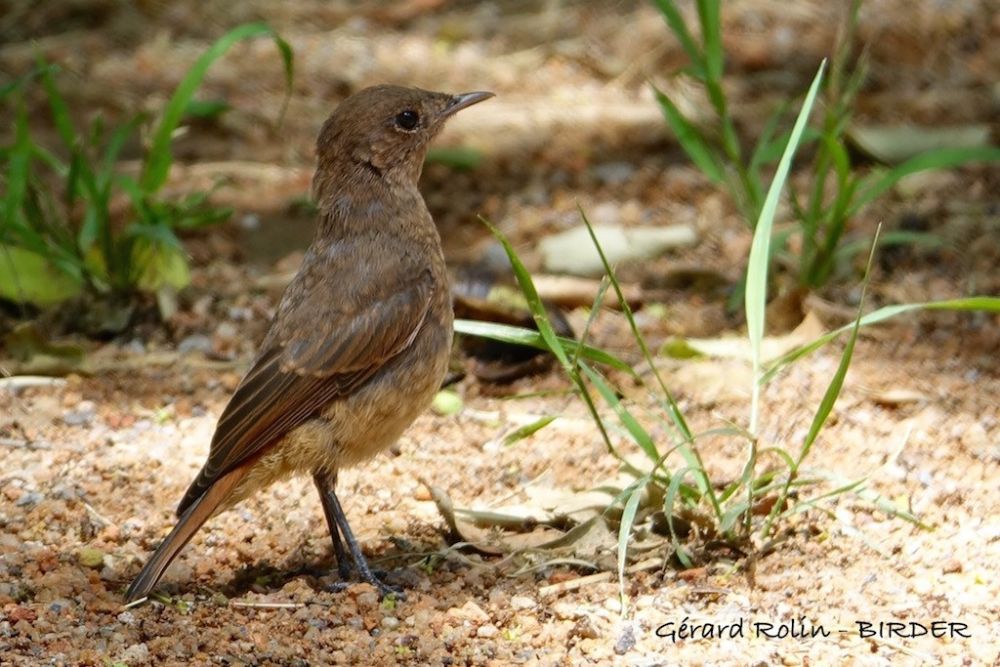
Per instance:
{"type": "Point", "coordinates": [360, 340]}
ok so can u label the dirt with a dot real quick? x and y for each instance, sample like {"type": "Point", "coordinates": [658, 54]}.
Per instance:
{"type": "Point", "coordinates": [93, 465]}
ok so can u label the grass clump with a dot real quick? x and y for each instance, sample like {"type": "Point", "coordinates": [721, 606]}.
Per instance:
{"type": "Point", "coordinates": [74, 221]}
{"type": "Point", "coordinates": [835, 191]}
{"type": "Point", "coordinates": [747, 512]}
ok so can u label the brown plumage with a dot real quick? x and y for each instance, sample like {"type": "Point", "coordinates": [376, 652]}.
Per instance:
{"type": "Point", "coordinates": [361, 337]}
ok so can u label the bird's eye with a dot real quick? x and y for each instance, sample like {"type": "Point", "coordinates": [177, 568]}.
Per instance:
{"type": "Point", "coordinates": [407, 120]}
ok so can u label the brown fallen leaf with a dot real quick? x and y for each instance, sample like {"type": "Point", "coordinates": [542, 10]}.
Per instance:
{"type": "Point", "coordinates": [693, 573]}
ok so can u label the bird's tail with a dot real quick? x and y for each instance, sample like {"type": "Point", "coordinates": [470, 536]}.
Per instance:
{"type": "Point", "coordinates": [196, 514]}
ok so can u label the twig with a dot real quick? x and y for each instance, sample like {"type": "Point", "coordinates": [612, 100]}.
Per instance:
{"type": "Point", "coordinates": [135, 603]}
{"type": "Point", "coordinates": [104, 521]}
{"type": "Point", "coordinates": [268, 605]}
{"type": "Point", "coordinates": [580, 582]}
{"type": "Point", "coordinates": [22, 381]}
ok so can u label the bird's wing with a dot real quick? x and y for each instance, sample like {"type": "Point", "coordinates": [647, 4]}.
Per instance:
{"type": "Point", "coordinates": [333, 330]}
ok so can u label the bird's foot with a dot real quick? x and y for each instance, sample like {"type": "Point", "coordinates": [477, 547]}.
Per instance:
{"type": "Point", "coordinates": [347, 575]}
{"type": "Point", "coordinates": [384, 589]}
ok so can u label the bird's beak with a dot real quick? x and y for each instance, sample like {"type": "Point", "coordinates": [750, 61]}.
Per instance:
{"type": "Point", "coordinates": [459, 102]}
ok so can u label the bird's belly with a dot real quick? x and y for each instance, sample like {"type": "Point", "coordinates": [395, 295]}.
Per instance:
{"type": "Point", "coordinates": [372, 419]}
{"type": "Point", "coordinates": [356, 427]}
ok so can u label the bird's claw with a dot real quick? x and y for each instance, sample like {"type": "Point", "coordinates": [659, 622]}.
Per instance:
{"type": "Point", "coordinates": [385, 590]}
{"type": "Point", "coordinates": [336, 586]}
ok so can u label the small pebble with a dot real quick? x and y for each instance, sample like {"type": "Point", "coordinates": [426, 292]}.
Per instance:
{"type": "Point", "coordinates": [134, 346]}
{"type": "Point", "coordinates": [626, 640]}
{"type": "Point", "coordinates": [565, 611]}
{"type": "Point", "coordinates": [195, 343]}
{"type": "Point", "coordinates": [82, 414]}
{"type": "Point", "coordinates": [29, 499]}
{"type": "Point", "coordinates": [90, 557]}
{"type": "Point", "coordinates": [368, 599]}
{"type": "Point", "coordinates": [583, 629]}
{"type": "Point", "coordinates": [470, 611]}
{"type": "Point", "coordinates": [951, 566]}
{"type": "Point", "coordinates": [135, 654]}
{"type": "Point", "coordinates": [56, 606]}
{"type": "Point", "coordinates": [487, 631]}
{"type": "Point", "coordinates": [614, 173]}
{"type": "Point", "coordinates": [521, 603]}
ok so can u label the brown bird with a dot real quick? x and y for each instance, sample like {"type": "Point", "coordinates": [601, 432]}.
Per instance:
{"type": "Point", "coordinates": [360, 340]}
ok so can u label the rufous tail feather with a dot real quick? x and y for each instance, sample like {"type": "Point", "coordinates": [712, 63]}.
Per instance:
{"type": "Point", "coordinates": [197, 514]}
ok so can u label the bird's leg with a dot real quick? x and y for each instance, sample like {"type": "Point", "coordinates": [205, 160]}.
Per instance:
{"type": "Point", "coordinates": [337, 521]}
{"type": "Point", "coordinates": [325, 484]}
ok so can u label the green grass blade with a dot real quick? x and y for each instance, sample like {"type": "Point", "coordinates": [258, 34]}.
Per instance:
{"type": "Point", "coordinates": [691, 140]}
{"type": "Point", "coordinates": [115, 145]}
{"type": "Point", "coordinates": [60, 112]}
{"type": "Point", "coordinates": [878, 184]}
{"type": "Point", "coordinates": [711, 35]}
{"type": "Point", "coordinates": [594, 309]}
{"type": "Point", "coordinates": [890, 508]}
{"type": "Point", "coordinates": [18, 166]}
{"type": "Point", "coordinates": [856, 485]}
{"type": "Point", "coordinates": [552, 341]}
{"type": "Point", "coordinates": [670, 502]}
{"type": "Point", "coordinates": [829, 397]}
{"type": "Point", "coordinates": [157, 164]}
{"type": "Point", "coordinates": [9, 87]}
{"type": "Point", "coordinates": [989, 304]}
{"type": "Point", "coordinates": [769, 148]}
{"type": "Point", "coordinates": [837, 382]}
{"type": "Point", "coordinates": [674, 20]}
{"type": "Point", "coordinates": [832, 392]}
{"type": "Point", "coordinates": [756, 285]}
{"type": "Point", "coordinates": [674, 410]}
{"type": "Point", "coordinates": [755, 295]}
{"type": "Point", "coordinates": [206, 109]}
{"type": "Point", "coordinates": [624, 532]}
{"type": "Point", "coordinates": [639, 434]}
{"type": "Point", "coordinates": [520, 336]}
{"type": "Point", "coordinates": [50, 160]}
{"type": "Point", "coordinates": [528, 429]}
{"type": "Point", "coordinates": [72, 190]}
{"type": "Point", "coordinates": [771, 151]}
{"type": "Point", "coordinates": [686, 447]}
{"type": "Point", "coordinates": [534, 302]}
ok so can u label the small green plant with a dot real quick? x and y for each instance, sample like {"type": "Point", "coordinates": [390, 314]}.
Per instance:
{"type": "Point", "coordinates": [74, 221]}
{"type": "Point", "coordinates": [836, 192]}
{"type": "Point", "coordinates": [744, 512]}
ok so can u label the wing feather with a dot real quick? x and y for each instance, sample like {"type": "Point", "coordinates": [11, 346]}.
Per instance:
{"type": "Point", "coordinates": [315, 352]}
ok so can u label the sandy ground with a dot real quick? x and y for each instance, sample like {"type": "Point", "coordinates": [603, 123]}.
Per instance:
{"type": "Point", "coordinates": [101, 462]}
{"type": "Point", "coordinates": [92, 465]}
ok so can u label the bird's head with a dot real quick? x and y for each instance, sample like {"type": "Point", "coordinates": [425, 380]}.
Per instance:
{"type": "Point", "coordinates": [382, 133]}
